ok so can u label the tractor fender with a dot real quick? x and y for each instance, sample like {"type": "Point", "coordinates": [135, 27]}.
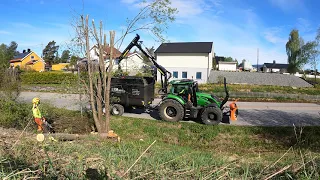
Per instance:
{"type": "Point", "coordinates": [212, 105]}
{"type": "Point", "coordinates": [177, 98]}
{"type": "Point", "coordinates": [209, 105]}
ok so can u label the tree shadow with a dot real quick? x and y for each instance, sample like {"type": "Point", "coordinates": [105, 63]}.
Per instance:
{"type": "Point", "coordinates": [285, 128]}
{"type": "Point", "coordinates": [279, 118]}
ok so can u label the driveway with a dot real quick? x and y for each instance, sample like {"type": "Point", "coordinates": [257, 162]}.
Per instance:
{"type": "Point", "coordinates": [250, 113]}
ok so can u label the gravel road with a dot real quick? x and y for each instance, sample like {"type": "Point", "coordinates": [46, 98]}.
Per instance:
{"type": "Point", "coordinates": [250, 113]}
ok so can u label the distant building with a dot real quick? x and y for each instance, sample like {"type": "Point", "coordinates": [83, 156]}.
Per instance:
{"type": "Point", "coordinates": [227, 66]}
{"type": "Point", "coordinates": [186, 60]}
{"type": "Point", "coordinates": [28, 60]}
{"type": "Point", "coordinates": [275, 68]}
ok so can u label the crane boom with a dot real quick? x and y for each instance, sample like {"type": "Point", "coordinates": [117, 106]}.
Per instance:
{"type": "Point", "coordinates": [165, 75]}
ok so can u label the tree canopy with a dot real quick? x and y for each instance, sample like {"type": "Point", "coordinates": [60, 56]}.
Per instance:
{"type": "Point", "coordinates": [49, 52]}
{"type": "Point", "coordinates": [299, 52]}
{"type": "Point", "coordinates": [65, 56]}
{"type": "Point", "coordinates": [7, 52]}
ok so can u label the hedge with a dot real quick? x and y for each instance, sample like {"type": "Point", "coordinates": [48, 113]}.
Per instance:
{"type": "Point", "coordinates": [47, 77]}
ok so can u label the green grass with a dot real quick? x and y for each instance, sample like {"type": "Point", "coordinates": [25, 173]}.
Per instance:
{"type": "Point", "coordinates": [181, 151]}
{"type": "Point", "coordinates": [212, 88]}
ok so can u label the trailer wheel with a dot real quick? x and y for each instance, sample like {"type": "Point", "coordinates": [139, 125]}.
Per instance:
{"type": "Point", "coordinates": [211, 116]}
{"type": "Point", "coordinates": [171, 110]}
{"type": "Point", "coordinates": [117, 110]}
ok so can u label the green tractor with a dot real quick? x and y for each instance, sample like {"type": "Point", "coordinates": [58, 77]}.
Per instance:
{"type": "Point", "coordinates": [181, 99]}
{"type": "Point", "coordinates": [185, 101]}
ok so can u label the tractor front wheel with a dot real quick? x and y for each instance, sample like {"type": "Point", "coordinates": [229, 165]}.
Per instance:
{"type": "Point", "coordinates": [211, 116]}
{"type": "Point", "coordinates": [171, 110]}
{"type": "Point", "coordinates": [117, 110]}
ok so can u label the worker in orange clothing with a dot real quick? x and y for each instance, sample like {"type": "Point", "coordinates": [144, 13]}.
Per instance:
{"type": "Point", "coordinates": [38, 118]}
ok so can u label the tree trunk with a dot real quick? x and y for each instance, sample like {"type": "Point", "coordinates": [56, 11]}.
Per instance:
{"type": "Point", "coordinates": [90, 73]}
{"type": "Point", "coordinates": [107, 92]}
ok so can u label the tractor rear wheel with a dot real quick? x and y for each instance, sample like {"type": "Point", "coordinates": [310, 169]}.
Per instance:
{"type": "Point", "coordinates": [171, 110]}
{"type": "Point", "coordinates": [211, 116]}
{"type": "Point", "coordinates": [117, 110]}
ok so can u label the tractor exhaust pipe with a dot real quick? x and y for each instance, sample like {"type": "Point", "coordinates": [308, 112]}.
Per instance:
{"type": "Point", "coordinates": [227, 93]}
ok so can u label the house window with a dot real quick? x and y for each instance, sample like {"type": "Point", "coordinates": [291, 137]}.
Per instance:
{"type": "Point", "coordinates": [175, 74]}
{"type": "Point", "coordinates": [198, 75]}
{"type": "Point", "coordinates": [184, 74]}
{"type": "Point", "coordinates": [32, 57]}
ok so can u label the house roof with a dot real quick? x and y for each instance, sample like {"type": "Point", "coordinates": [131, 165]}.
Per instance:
{"type": "Point", "coordinates": [19, 57]}
{"type": "Point", "coordinates": [107, 51]}
{"type": "Point", "coordinates": [276, 66]}
{"type": "Point", "coordinates": [185, 47]}
{"type": "Point", "coordinates": [227, 62]}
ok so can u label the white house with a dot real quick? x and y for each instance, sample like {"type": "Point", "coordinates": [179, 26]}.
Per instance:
{"type": "Point", "coordinates": [227, 66]}
{"type": "Point", "coordinates": [132, 63]}
{"type": "Point", "coordinates": [189, 60]}
{"type": "Point", "coordinates": [274, 67]}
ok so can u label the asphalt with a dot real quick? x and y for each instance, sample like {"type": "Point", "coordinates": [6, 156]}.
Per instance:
{"type": "Point", "coordinates": [250, 113]}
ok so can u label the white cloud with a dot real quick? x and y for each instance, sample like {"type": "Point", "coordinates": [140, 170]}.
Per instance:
{"type": "Point", "coordinates": [5, 32]}
{"type": "Point", "coordinates": [129, 1]}
{"type": "Point", "coordinates": [303, 25]}
{"type": "Point", "coordinates": [289, 5]}
{"type": "Point", "coordinates": [22, 25]}
{"type": "Point", "coordinates": [273, 35]}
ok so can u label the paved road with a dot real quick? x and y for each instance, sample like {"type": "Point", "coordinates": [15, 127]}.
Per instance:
{"type": "Point", "coordinates": [250, 113]}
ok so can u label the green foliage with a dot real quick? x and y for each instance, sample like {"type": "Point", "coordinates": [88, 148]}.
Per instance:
{"type": "Point", "coordinates": [214, 64]}
{"type": "Point", "coordinates": [65, 56]}
{"type": "Point", "coordinates": [73, 60]}
{"type": "Point", "coordinates": [48, 78]}
{"type": "Point", "coordinates": [49, 52]}
{"type": "Point", "coordinates": [7, 52]}
{"type": "Point", "coordinates": [228, 59]}
{"type": "Point", "coordinates": [10, 83]}
{"type": "Point", "coordinates": [299, 52]}
{"type": "Point", "coordinates": [13, 114]}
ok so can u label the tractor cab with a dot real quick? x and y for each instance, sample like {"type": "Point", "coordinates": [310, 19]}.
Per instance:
{"type": "Point", "coordinates": [186, 89]}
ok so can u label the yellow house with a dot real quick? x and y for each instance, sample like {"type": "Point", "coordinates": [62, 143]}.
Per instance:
{"type": "Point", "coordinates": [60, 66]}
{"type": "Point", "coordinates": [28, 60]}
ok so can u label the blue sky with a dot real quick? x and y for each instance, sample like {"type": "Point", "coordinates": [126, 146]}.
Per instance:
{"type": "Point", "coordinates": [236, 27]}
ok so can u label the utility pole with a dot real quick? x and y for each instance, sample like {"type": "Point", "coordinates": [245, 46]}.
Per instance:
{"type": "Point", "coordinates": [41, 50]}
{"type": "Point", "coordinates": [258, 60]}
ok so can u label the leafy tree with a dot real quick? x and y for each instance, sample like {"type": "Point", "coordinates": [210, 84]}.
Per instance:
{"type": "Point", "coordinates": [228, 59]}
{"type": "Point", "coordinates": [73, 60]}
{"type": "Point", "coordinates": [50, 52]}
{"type": "Point", "coordinates": [299, 52]}
{"type": "Point", "coordinates": [65, 56]}
{"type": "Point", "coordinates": [236, 62]}
{"type": "Point", "coordinates": [7, 52]}
{"type": "Point", "coordinates": [214, 64]}
{"type": "Point", "coordinates": [315, 52]}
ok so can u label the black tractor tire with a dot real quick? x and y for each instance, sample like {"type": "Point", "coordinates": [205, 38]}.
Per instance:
{"type": "Point", "coordinates": [211, 116]}
{"type": "Point", "coordinates": [171, 110]}
{"type": "Point", "coordinates": [117, 110]}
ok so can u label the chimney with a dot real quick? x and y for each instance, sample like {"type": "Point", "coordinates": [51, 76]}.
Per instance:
{"type": "Point", "coordinates": [274, 61]}
{"type": "Point", "coordinates": [29, 50]}
{"type": "Point", "coordinates": [24, 51]}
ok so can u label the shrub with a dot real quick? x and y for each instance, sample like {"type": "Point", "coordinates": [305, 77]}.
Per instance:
{"type": "Point", "coordinates": [13, 114]}
{"type": "Point", "coordinates": [48, 78]}
{"type": "Point", "coordinates": [10, 83]}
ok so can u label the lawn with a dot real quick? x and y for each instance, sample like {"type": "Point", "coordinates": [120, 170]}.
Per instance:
{"type": "Point", "coordinates": [176, 151]}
